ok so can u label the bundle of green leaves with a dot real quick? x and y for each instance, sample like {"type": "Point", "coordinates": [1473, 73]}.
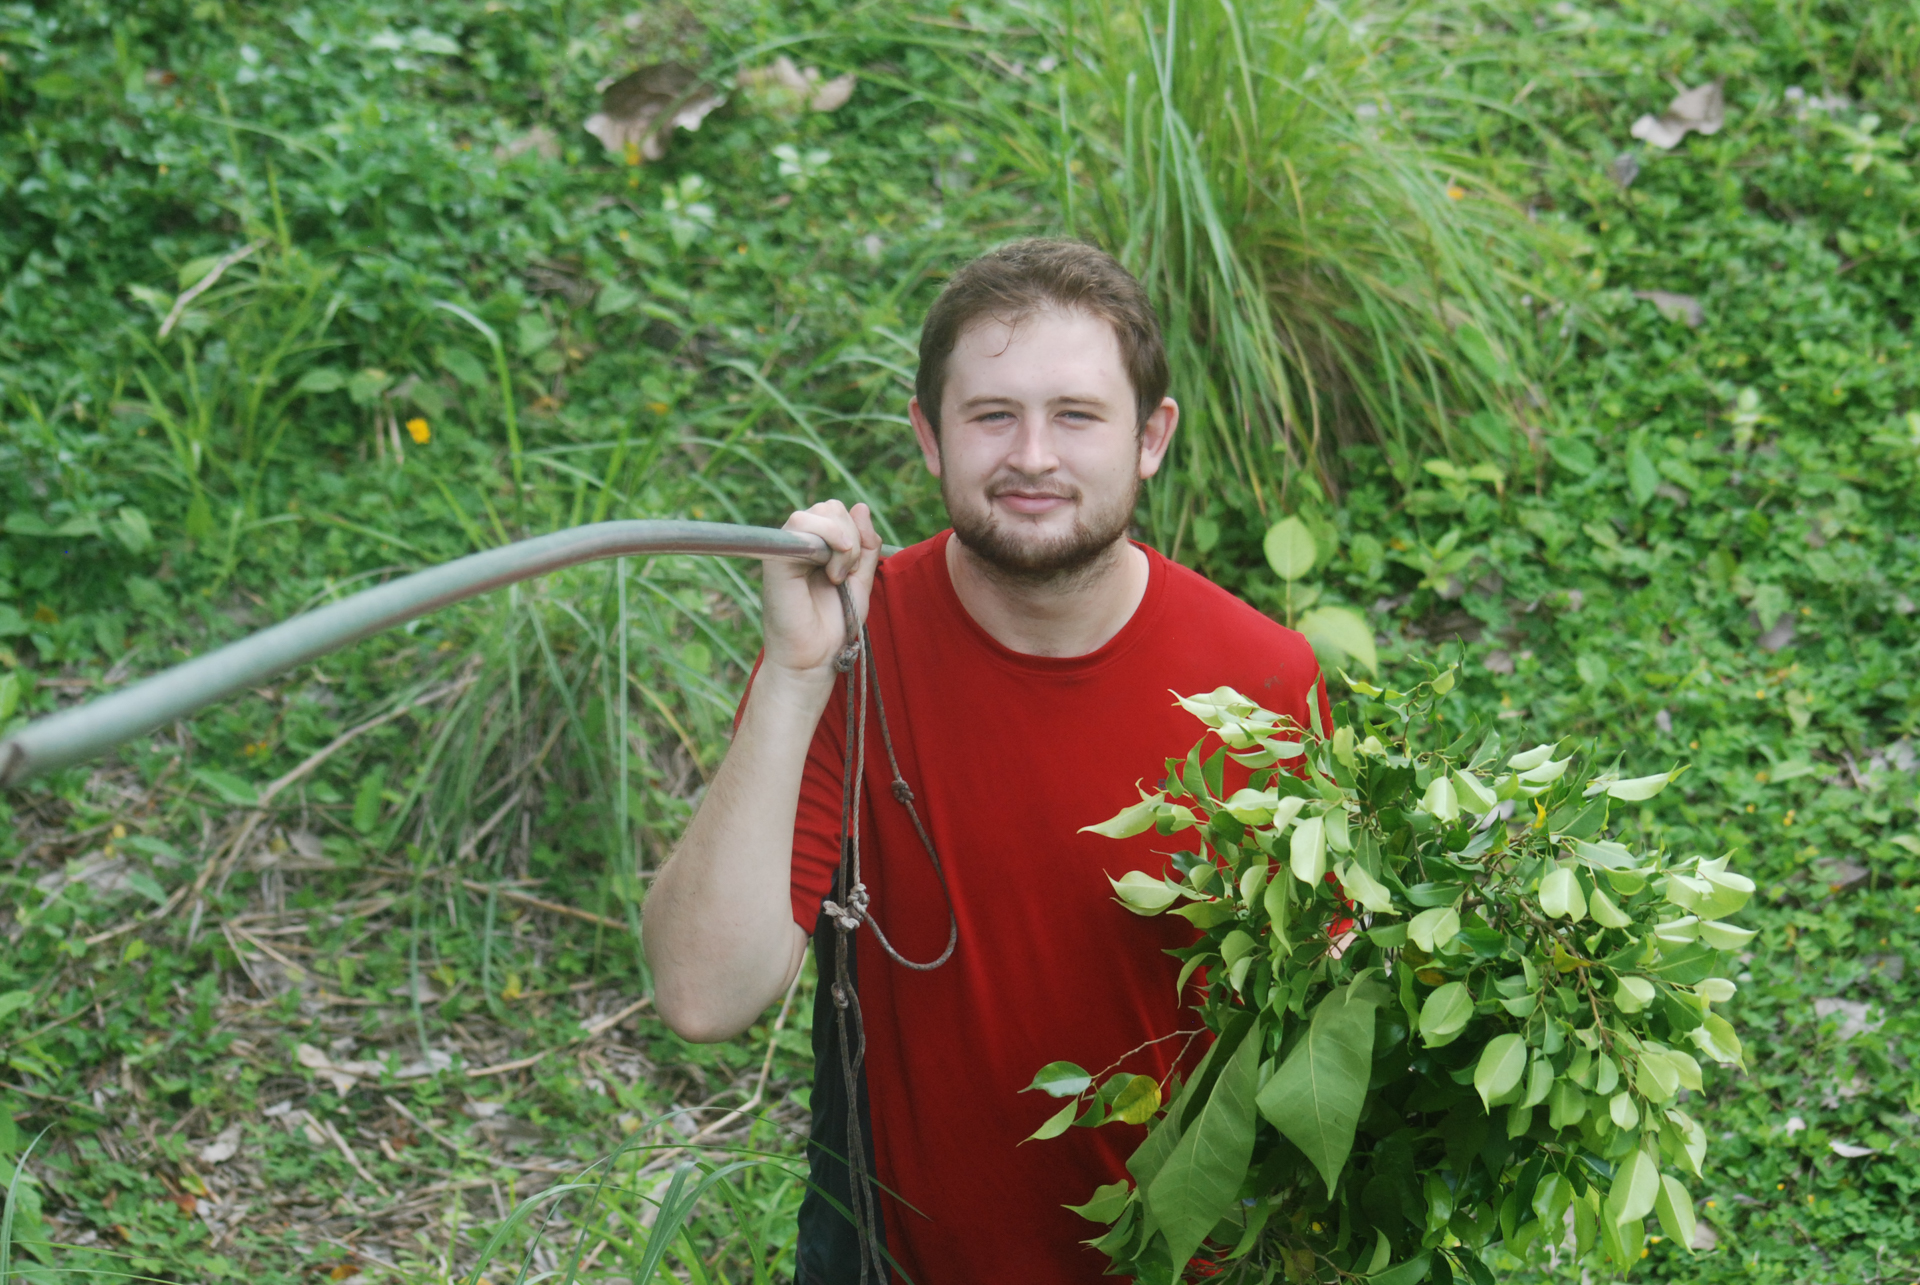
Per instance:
{"type": "Point", "coordinates": [1448, 1012]}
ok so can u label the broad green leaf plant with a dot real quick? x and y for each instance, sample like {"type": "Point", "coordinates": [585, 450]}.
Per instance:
{"type": "Point", "coordinates": [1450, 1014]}
{"type": "Point", "coordinates": [1337, 633]}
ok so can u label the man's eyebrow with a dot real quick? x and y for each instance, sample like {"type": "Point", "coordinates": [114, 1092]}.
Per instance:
{"type": "Point", "coordinates": [1068, 399]}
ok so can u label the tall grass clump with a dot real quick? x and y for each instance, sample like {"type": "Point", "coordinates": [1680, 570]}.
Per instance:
{"type": "Point", "coordinates": [1327, 276]}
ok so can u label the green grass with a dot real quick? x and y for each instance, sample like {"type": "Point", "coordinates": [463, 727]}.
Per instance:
{"type": "Point", "coordinates": [162, 496]}
{"type": "Point", "coordinates": [1328, 274]}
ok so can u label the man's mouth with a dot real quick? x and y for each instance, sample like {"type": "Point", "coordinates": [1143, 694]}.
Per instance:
{"type": "Point", "coordinates": [1032, 501]}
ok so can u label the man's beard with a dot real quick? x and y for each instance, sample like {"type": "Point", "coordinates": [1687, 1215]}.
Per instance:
{"type": "Point", "coordinates": [1054, 562]}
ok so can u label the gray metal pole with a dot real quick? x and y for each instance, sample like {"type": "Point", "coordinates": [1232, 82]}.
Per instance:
{"type": "Point", "coordinates": [84, 731]}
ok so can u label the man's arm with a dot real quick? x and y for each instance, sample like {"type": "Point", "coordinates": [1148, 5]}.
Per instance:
{"type": "Point", "coordinates": [718, 921]}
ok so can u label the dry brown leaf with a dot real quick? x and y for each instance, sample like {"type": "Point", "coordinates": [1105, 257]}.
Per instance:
{"type": "Point", "coordinates": [1675, 307]}
{"type": "Point", "coordinates": [539, 140]}
{"type": "Point", "coordinates": [832, 94]}
{"type": "Point", "coordinates": [638, 111]}
{"type": "Point", "coordinates": [1700, 110]}
{"type": "Point", "coordinates": [782, 89]}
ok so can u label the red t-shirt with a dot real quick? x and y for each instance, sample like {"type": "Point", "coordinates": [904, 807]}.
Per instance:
{"type": "Point", "coordinates": [1009, 755]}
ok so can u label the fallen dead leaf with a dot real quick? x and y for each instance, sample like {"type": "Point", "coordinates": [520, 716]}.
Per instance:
{"type": "Point", "coordinates": [782, 89]}
{"type": "Point", "coordinates": [1700, 110]}
{"type": "Point", "coordinates": [344, 1075]}
{"type": "Point", "coordinates": [1850, 1151]}
{"type": "Point", "coordinates": [638, 111]}
{"type": "Point", "coordinates": [539, 140]}
{"type": "Point", "coordinates": [1675, 307]}
{"type": "Point", "coordinates": [225, 1145]}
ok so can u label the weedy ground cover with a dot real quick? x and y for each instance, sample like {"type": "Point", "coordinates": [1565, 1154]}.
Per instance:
{"type": "Point", "coordinates": [334, 976]}
{"type": "Point", "coordinates": [1710, 559]}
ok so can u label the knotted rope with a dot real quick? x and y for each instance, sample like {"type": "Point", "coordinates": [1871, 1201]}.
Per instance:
{"type": "Point", "coordinates": [849, 908]}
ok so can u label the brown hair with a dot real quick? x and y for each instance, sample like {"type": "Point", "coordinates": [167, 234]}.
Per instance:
{"type": "Point", "coordinates": [1024, 277]}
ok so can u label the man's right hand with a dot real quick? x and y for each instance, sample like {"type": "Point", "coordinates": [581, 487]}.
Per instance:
{"type": "Point", "coordinates": [802, 615]}
{"type": "Point", "coordinates": [719, 929]}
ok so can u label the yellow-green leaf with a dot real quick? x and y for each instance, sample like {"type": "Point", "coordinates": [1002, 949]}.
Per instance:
{"type": "Point", "coordinates": [1365, 889]}
{"type": "Point", "coordinates": [1560, 895]}
{"type": "Point", "coordinates": [1143, 894]}
{"type": "Point", "coordinates": [1641, 788]}
{"type": "Point", "coordinates": [1445, 1014]}
{"type": "Point", "coordinates": [1604, 912]}
{"type": "Point", "coordinates": [1636, 1185]}
{"type": "Point", "coordinates": [1290, 549]}
{"type": "Point", "coordinates": [1308, 851]}
{"type": "Point", "coordinates": [1432, 929]}
{"type": "Point", "coordinates": [1339, 633]}
{"type": "Point", "coordinates": [1056, 1124]}
{"type": "Point", "coordinates": [1501, 1065]}
{"type": "Point", "coordinates": [1675, 1208]}
{"type": "Point", "coordinates": [1129, 821]}
{"type": "Point", "coordinates": [1138, 1099]}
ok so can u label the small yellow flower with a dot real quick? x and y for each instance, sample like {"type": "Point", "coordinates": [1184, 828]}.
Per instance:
{"type": "Point", "coordinates": [418, 430]}
{"type": "Point", "coordinates": [1455, 192]}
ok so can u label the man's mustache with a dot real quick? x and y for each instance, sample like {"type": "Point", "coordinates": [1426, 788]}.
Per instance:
{"type": "Point", "coordinates": [1051, 490]}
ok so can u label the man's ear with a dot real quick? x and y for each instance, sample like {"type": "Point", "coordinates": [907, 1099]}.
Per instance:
{"type": "Point", "coordinates": [1157, 434]}
{"type": "Point", "coordinates": [927, 435]}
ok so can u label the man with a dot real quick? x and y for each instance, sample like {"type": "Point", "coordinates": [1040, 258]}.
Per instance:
{"type": "Point", "coordinates": [1025, 659]}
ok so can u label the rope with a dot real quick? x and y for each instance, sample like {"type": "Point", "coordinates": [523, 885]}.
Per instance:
{"type": "Point", "coordinates": [849, 908]}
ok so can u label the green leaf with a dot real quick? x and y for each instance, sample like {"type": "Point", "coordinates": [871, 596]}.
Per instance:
{"type": "Point", "coordinates": [1106, 1204]}
{"type": "Point", "coordinates": [1200, 1182]}
{"type": "Point", "coordinates": [1128, 821]}
{"type": "Point", "coordinates": [147, 886]}
{"type": "Point", "coordinates": [1290, 549]}
{"type": "Point", "coordinates": [1604, 912]}
{"type": "Point", "coordinates": [1308, 851]}
{"type": "Point", "coordinates": [1560, 895]}
{"type": "Point", "coordinates": [1716, 1039]}
{"type": "Point", "coordinates": [322, 379]}
{"type": "Point", "coordinates": [1642, 477]}
{"type": "Point", "coordinates": [1675, 1208]}
{"type": "Point", "coordinates": [1339, 633]}
{"type": "Point", "coordinates": [464, 366]}
{"type": "Point", "coordinates": [1365, 889]}
{"type": "Point", "coordinates": [229, 787]}
{"type": "Point", "coordinates": [13, 1001]}
{"type": "Point", "coordinates": [1445, 1014]}
{"type": "Point", "coordinates": [132, 529]}
{"type": "Point", "coordinates": [1056, 1124]}
{"type": "Point", "coordinates": [1142, 893]}
{"type": "Point", "coordinates": [366, 802]}
{"type": "Point", "coordinates": [9, 683]}
{"type": "Point", "coordinates": [1316, 1095]}
{"type": "Point", "coordinates": [1432, 929]}
{"type": "Point", "coordinates": [1441, 800]}
{"type": "Point", "coordinates": [617, 297]}
{"type": "Point", "coordinates": [1636, 1185]}
{"type": "Point", "coordinates": [1501, 1065]}
{"type": "Point", "coordinates": [1411, 1272]}
{"type": "Point", "coordinates": [1060, 1080]}
{"type": "Point", "coordinates": [1641, 788]}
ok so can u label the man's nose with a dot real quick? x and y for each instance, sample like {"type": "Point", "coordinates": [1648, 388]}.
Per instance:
{"type": "Point", "coordinates": [1033, 451]}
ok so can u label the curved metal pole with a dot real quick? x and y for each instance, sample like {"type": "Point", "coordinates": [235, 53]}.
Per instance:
{"type": "Point", "coordinates": [86, 730]}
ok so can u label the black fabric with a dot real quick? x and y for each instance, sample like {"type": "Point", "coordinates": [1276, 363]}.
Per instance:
{"type": "Point", "coordinates": [829, 1251]}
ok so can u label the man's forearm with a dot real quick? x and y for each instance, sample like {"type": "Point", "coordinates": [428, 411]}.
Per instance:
{"type": "Point", "coordinates": [719, 927]}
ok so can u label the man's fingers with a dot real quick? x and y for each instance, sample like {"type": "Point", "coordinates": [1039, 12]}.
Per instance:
{"type": "Point", "coordinates": [831, 521]}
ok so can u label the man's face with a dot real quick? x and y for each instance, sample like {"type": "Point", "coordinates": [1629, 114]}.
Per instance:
{"type": "Point", "coordinates": [1040, 454]}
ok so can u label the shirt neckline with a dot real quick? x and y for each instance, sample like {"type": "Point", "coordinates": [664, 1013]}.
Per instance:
{"type": "Point", "coordinates": [1137, 627]}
